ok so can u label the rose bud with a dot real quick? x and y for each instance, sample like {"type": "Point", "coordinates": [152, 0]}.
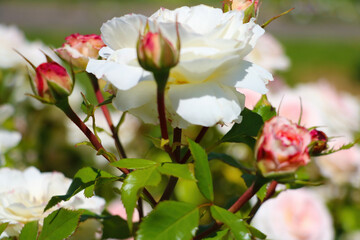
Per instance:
{"type": "Point", "coordinates": [79, 48]}
{"type": "Point", "coordinates": [318, 142]}
{"type": "Point", "coordinates": [250, 8]}
{"type": "Point", "coordinates": [156, 53]}
{"type": "Point", "coordinates": [282, 147]}
{"type": "Point", "coordinates": [52, 82]}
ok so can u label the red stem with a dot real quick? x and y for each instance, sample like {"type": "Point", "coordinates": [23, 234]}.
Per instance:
{"type": "Point", "coordinates": [197, 140]}
{"type": "Point", "coordinates": [244, 198]}
{"type": "Point", "coordinates": [65, 107]}
{"type": "Point", "coordinates": [269, 193]}
{"type": "Point", "coordinates": [105, 110]}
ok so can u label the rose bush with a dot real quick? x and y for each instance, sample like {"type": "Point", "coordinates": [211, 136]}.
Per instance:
{"type": "Point", "coordinates": [201, 89]}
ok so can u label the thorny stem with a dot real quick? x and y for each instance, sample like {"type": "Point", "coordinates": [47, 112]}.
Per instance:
{"type": "Point", "coordinates": [269, 193]}
{"type": "Point", "coordinates": [244, 198]}
{"type": "Point", "coordinates": [105, 110]}
{"type": "Point", "coordinates": [65, 107]}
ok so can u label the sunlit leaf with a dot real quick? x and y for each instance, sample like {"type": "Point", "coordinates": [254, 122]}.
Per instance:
{"type": "Point", "coordinates": [60, 224]}
{"type": "Point", "coordinates": [170, 220]}
{"type": "Point", "coordinates": [202, 170]}
{"type": "Point", "coordinates": [134, 163]}
{"type": "Point", "coordinates": [237, 225]}
{"type": "Point", "coordinates": [132, 186]}
{"type": "Point", "coordinates": [29, 231]}
{"type": "Point", "coordinates": [177, 170]}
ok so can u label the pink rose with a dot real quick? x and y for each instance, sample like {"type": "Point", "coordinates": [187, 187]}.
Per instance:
{"type": "Point", "coordinates": [79, 48]}
{"type": "Point", "coordinates": [282, 146]}
{"type": "Point", "coordinates": [54, 74]}
{"type": "Point", "coordinates": [294, 215]}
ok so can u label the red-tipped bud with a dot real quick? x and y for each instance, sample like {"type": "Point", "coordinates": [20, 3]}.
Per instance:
{"type": "Point", "coordinates": [156, 53]}
{"type": "Point", "coordinates": [318, 142]}
{"type": "Point", "coordinates": [282, 147]}
{"type": "Point", "coordinates": [52, 82]}
{"type": "Point", "coordinates": [79, 48]}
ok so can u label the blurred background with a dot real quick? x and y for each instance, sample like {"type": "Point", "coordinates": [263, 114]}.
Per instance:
{"type": "Point", "coordinates": [320, 38]}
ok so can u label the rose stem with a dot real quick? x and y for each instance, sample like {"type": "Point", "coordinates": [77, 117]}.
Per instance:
{"type": "Point", "coordinates": [269, 193]}
{"type": "Point", "coordinates": [65, 107]}
{"type": "Point", "coordinates": [244, 198]}
{"type": "Point", "coordinates": [197, 140]}
{"type": "Point", "coordinates": [105, 110]}
{"type": "Point", "coordinates": [173, 180]}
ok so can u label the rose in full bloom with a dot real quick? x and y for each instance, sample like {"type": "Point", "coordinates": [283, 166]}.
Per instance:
{"type": "Point", "coordinates": [56, 75]}
{"type": "Point", "coordinates": [24, 195]}
{"type": "Point", "coordinates": [201, 89]}
{"type": "Point", "coordinates": [282, 146]}
{"type": "Point", "coordinates": [78, 48]}
{"type": "Point", "coordinates": [295, 215]}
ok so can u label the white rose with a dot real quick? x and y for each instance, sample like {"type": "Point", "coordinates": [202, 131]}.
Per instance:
{"type": "Point", "coordinates": [202, 88]}
{"type": "Point", "coordinates": [294, 215]}
{"type": "Point", "coordinates": [24, 195]}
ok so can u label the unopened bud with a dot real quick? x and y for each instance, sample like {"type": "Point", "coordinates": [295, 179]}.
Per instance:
{"type": "Point", "coordinates": [318, 142]}
{"type": "Point", "coordinates": [156, 53]}
{"type": "Point", "coordinates": [52, 82]}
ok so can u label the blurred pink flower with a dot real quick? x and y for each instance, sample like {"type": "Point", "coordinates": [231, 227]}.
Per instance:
{"type": "Point", "coordinates": [294, 215]}
{"type": "Point", "coordinates": [269, 54]}
{"type": "Point", "coordinates": [341, 167]}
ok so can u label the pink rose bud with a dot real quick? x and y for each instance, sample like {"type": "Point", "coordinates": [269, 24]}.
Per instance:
{"type": "Point", "coordinates": [282, 147]}
{"type": "Point", "coordinates": [318, 141]}
{"type": "Point", "coordinates": [156, 53]}
{"type": "Point", "coordinates": [52, 82]}
{"type": "Point", "coordinates": [250, 8]}
{"type": "Point", "coordinates": [79, 48]}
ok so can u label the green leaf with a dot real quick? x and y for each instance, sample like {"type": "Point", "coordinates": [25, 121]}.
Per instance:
{"type": "Point", "coordinates": [3, 226]}
{"type": "Point", "coordinates": [202, 170]}
{"type": "Point", "coordinates": [219, 235]}
{"type": "Point", "coordinates": [248, 128]}
{"type": "Point", "coordinates": [85, 143]}
{"type": "Point", "coordinates": [229, 160]}
{"type": "Point", "coordinates": [177, 170]}
{"type": "Point", "coordinates": [262, 192]}
{"type": "Point", "coordinates": [256, 233]}
{"type": "Point", "coordinates": [85, 178]}
{"type": "Point", "coordinates": [60, 224]}
{"type": "Point", "coordinates": [134, 163]}
{"type": "Point", "coordinates": [133, 184]}
{"type": "Point", "coordinates": [170, 220]}
{"type": "Point", "coordinates": [237, 225]}
{"type": "Point", "coordinates": [115, 227]}
{"type": "Point", "coordinates": [107, 101]}
{"type": "Point", "coordinates": [264, 109]}
{"type": "Point", "coordinates": [29, 231]}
